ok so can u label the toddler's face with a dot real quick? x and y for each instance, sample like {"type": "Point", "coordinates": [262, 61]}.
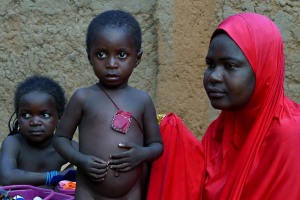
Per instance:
{"type": "Point", "coordinates": [113, 56]}
{"type": "Point", "coordinates": [37, 116]}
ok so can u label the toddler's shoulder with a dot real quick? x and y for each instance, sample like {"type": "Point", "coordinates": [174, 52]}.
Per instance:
{"type": "Point", "coordinates": [143, 97]}
{"type": "Point", "coordinates": [12, 141]}
{"type": "Point", "coordinates": [139, 93]}
{"type": "Point", "coordinates": [84, 92]}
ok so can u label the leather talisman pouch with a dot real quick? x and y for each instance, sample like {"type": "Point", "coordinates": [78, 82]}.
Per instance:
{"type": "Point", "coordinates": [121, 121]}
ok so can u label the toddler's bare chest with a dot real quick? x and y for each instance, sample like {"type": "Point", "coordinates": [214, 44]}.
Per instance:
{"type": "Point", "coordinates": [33, 160]}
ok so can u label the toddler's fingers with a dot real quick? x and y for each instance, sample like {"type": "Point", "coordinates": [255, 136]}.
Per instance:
{"type": "Point", "coordinates": [98, 176]}
{"type": "Point", "coordinates": [120, 166]}
{"type": "Point", "coordinates": [127, 145]}
{"type": "Point", "coordinates": [118, 161]}
{"type": "Point", "coordinates": [98, 166]}
{"type": "Point", "coordinates": [99, 160]}
{"type": "Point", "coordinates": [119, 155]}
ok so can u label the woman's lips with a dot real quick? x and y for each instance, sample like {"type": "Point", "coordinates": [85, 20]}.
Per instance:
{"type": "Point", "coordinates": [215, 94]}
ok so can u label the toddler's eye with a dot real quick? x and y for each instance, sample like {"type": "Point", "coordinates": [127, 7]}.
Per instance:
{"type": "Point", "coordinates": [123, 55]}
{"type": "Point", "coordinates": [46, 116]}
{"type": "Point", "coordinates": [26, 115]}
{"type": "Point", "coordinates": [101, 55]}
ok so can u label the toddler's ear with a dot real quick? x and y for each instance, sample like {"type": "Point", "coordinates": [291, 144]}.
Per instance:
{"type": "Point", "coordinates": [139, 57]}
{"type": "Point", "coordinates": [88, 55]}
{"type": "Point", "coordinates": [89, 58]}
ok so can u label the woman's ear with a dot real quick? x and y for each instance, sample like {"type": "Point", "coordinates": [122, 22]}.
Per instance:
{"type": "Point", "coordinates": [139, 58]}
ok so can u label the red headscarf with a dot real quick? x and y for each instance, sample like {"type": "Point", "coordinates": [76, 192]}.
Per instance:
{"type": "Point", "coordinates": [179, 173]}
{"type": "Point", "coordinates": [254, 153]}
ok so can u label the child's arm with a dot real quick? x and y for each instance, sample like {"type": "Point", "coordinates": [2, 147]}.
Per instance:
{"type": "Point", "coordinates": [94, 167]}
{"type": "Point", "coordinates": [9, 172]}
{"type": "Point", "coordinates": [136, 154]}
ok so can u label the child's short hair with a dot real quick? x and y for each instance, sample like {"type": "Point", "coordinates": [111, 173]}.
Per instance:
{"type": "Point", "coordinates": [37, 84]}
{"type": "Point", "coordinates": [118, 19]}
{"type": "Point", "coordinates": [41, 84]}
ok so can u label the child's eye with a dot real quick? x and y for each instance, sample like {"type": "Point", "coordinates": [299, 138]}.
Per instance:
{"type": "Point", "coordinates": [46, 116]}
{"type": "Point", "coordinates": [123, 55]}
{"type": "Point", "coordinates": [101, 55]}
{"type": "Point", "coordinates": [26, 115]}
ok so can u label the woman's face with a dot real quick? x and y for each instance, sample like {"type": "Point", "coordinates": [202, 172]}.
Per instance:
{"type": "Point", "coordinates": [229, 80]}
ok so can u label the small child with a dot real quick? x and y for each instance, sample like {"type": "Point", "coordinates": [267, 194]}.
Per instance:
{"type": "Point", "coordinates": [118, 129]}
{"type": "Point", "coordinates": [27, 153]}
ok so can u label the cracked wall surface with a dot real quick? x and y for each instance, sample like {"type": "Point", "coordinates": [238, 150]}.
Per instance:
{"type": "Point", "coordinates": [48, 38]}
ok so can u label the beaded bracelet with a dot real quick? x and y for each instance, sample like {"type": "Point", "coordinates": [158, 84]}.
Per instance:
{"type": "Point", "coordinates": [49, 176]}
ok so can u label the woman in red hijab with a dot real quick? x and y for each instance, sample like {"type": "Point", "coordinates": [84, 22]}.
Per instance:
{"type": "Point", "coordinates": [252, 150]}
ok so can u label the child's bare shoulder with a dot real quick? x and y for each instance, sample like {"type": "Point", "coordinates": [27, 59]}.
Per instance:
{"type": "Point", "coordinates": [84, 92]}
{"type": "Point", "coordinates": [12, 141]}
{"type": "Point", "coordinates": [137, 93]}
{"type": "Point", "coordinates": [16, 138]}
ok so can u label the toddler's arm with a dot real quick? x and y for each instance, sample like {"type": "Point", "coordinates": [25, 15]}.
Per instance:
{"type": "Point", "coordinates": [9, 172]}
{"type": "Point", "coordinates": [94, 167]}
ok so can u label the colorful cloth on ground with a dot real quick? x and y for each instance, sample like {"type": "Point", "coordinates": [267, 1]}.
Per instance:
{"type": "Point", "coordinates": [254, 153]}
{"type": "Point", "coordinates": [178, 174]}
{"type": "Point", "coordinates": [67, 185]}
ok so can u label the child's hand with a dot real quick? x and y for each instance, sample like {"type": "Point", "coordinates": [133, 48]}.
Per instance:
{"type": "Point", "coordinates": [127, 160]}
{"type": "Point", "coordinates": [67, 174]}
{"type": "Point", "coordinates": [95, 168]}
{"type": "Point", "coordinates": [66, 171]}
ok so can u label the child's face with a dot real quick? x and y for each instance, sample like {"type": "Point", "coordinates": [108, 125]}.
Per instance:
{"type": "Point", "coordinates": [229, 79]}
{"type": "Point", "coordinates": [37, 116]}
{"type": "Point", "coordinates": [113, 56]}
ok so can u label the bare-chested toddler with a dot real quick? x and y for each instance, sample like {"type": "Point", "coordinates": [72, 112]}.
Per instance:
{"type": "Point", "coordinates": [117, 124]}
{"type": "Point", "coordinates": [27, 153]}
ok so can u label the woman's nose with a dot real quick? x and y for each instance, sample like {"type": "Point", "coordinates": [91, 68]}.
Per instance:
{"type": "Point", "coordinates": [216, 75]}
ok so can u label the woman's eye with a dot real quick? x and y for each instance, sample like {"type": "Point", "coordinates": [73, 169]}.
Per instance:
{"type": "Point", "coordinates": [230, 66]}
{"type": "Point", "coordinates": [101, 55]}
{"type": "Point", "coordinates": [123, 54]}
{"type": "Point", "coordinates": [210, 66]}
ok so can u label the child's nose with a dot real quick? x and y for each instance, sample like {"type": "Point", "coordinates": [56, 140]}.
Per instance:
{"type": "Point", "coordinates": [111, 62]}
{"type": "Point", "coordinates": [35, 121]}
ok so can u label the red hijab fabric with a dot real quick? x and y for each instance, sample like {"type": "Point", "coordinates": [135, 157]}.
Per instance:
{"type": "Point", "coordinates": [254, 153]}
{"type": "Point", "coordinates": [179, 173]}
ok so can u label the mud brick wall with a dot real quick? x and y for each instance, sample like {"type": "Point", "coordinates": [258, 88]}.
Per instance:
{"type": "Point", "coordinates": [48, 38]}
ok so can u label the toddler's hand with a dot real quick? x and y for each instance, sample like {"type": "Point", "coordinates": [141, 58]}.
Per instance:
{"type": "Point", "coordinates": [127, 160]}
{"type": "Point", "coordinates": [95, 168]}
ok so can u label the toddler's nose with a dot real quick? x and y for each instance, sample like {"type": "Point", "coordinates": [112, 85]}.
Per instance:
{"type": "Point", "coordinates": [111, 63]}
{"type": "Point", "coordinates": [35, 121]}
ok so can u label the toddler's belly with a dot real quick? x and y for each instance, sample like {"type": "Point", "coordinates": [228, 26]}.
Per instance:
{"type": "Point", "coordinates": [112, 186]}
{"type": "Point", "coordinates": [103, 144]}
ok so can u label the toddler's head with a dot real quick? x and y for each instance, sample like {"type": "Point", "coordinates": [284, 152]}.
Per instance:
{"type": "Point", "coordinates": [114, 19]}
{"type": "Point", "coordinates": [37, 84]}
